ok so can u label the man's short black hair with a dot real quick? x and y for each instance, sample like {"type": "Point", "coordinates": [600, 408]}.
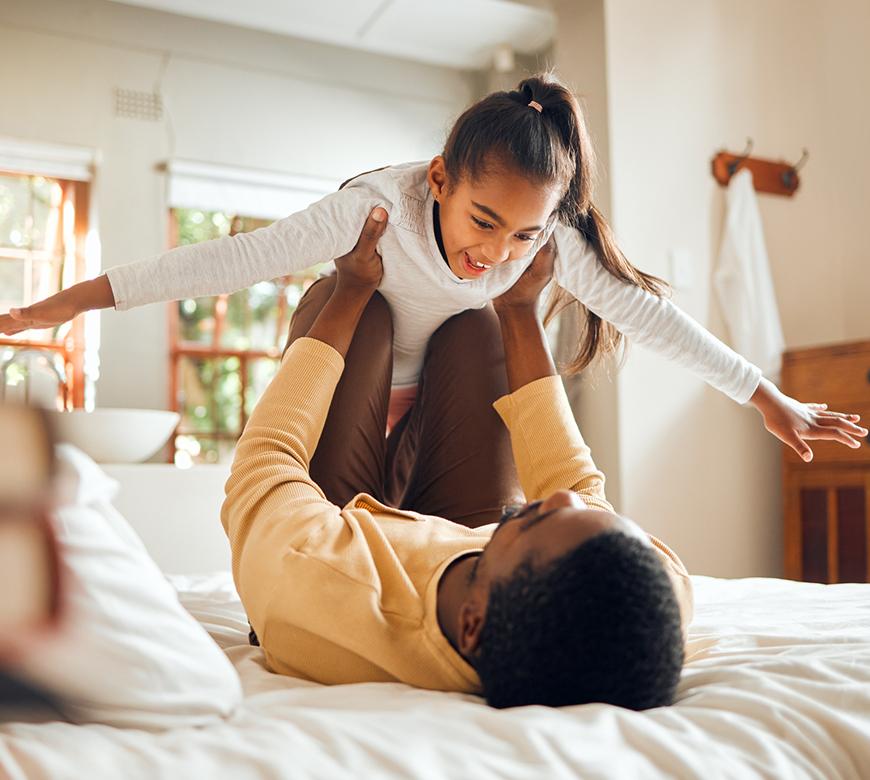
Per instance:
{"type": "Point", "coordinates": [599, 624]}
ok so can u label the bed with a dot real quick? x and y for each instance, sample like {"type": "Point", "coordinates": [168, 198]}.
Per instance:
{"type": "Point", "coordinates": [776, 685]}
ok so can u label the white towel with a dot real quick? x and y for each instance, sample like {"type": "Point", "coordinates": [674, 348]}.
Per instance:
{"type": "Point", "coordinates": [743, 281]}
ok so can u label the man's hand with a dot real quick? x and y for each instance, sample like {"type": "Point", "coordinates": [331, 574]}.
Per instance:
{"type": "Point", "coordinates": [359, 273]}
{"type": "Point", "coordinates": [528, 287]}
{"type": "Point", "coordinates": [362, 268]}
{"type": "Point", "coordinates": [527, 354]}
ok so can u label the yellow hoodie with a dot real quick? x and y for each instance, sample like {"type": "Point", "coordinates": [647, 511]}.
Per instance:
{"type": "Point", "coordinates": [345, 595]}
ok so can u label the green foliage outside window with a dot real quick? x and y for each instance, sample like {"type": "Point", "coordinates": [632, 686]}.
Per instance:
{"type": "Point", "coordinates": [246, 325]}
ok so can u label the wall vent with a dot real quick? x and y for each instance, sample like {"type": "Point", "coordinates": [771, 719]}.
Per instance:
{"type": "Point", "coordinates": [134, 104]}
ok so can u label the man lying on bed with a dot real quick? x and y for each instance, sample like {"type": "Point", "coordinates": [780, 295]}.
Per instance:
{"type": "Point", "coordinates": [561, 602]}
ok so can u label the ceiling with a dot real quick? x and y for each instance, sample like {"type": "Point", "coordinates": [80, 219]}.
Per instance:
{"type": "Point", "coordinates": [453, 33]}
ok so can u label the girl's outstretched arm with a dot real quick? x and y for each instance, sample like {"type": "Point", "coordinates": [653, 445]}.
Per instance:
{"type": "Point", "coordinates": [60, 307]}
{"type": "Point", "coordinates": [661, 326]}
{"type": "Point", "coordinates": [325, 230]}
{"type": "Point", "coordinates": [651, 320]}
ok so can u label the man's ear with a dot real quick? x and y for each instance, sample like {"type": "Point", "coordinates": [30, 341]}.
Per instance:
{"type": "Point", "coordinates": [472, 615]}
{"type": "Point", "coordinates": [437, 176]}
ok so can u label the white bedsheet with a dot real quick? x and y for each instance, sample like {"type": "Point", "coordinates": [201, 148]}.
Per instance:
{"type": "Point", "coordinates": [777, 685]}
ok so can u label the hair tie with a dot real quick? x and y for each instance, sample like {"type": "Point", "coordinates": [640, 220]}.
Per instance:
{"type": "Point", "coordinates": [536, 105]}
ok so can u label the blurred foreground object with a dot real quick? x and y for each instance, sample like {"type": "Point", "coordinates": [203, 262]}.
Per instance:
{"type": "Point", "coordinates": [29, 566]}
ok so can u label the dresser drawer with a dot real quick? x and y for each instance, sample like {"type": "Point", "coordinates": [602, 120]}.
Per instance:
{"type": "Point", "coordinates": [841, 381]}
{"type": "Point", "coordinates": [833, 452]}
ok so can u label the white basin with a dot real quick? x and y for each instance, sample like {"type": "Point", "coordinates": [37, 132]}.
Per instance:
{"type": "Point", "coordinates": [116, 435]}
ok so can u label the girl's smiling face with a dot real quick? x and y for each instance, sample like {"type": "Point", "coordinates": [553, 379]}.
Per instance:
{"type": "Point", "coordinates": [491, 220]}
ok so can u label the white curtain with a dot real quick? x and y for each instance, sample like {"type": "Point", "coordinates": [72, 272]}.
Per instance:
{"type": "Point", "coordinates": [54, 161]}
{"type": "Point", "coordinates": [244, 191]}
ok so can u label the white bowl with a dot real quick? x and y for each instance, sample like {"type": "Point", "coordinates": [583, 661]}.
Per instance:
{"type": "Point", "coordinates": [116, 435]}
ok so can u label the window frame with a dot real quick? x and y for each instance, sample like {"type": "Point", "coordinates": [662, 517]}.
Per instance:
{"type": "Point", "coordinates": [72, 346]}
{"type": "Point", "coordinates": [180, 349]}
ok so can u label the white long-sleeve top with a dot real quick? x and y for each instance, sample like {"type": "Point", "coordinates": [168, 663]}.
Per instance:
{"type": "Point", "coordinates": [418, 284]}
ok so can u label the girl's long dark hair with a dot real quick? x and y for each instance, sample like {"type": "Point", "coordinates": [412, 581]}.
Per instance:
{"type": "Point", "coordinates": [550, 147]}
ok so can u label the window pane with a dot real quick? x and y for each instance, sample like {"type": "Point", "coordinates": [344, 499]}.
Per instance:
{"type": "Point", "coordinates": [260, 373]}
{"type": "Point", "coordinates": [196, 320]}
{"type": "Point", "coordinates": [210, 394]}
{"type": "Point", "coordinates": [46, 211]}
{"type": "Point", "coordinates": [14, 211]}
{"type": "Point", "coordinates": [295, 288]}
{"type": "Point", "coordinates": [216, 450]}
{"type": "Point", "coordinates": [46, 279]}
{"type": "Point", "coordinates": [202, 448]}
{"type": "Point", "coordinates": [11, 282]}
{"type": "Point", "coordinates": [195, 225]}
{"type": "Point", "coordinates": [247, 224]}
{"type": "Point", "coordinates": [252, 318]}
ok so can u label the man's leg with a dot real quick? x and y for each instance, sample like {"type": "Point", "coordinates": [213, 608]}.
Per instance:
{"type": "Point", "coordinates": [350, 456]}
{"type": "Point", "coordinates": [450, 455]}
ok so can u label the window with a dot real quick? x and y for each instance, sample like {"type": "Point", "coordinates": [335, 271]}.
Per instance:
{"type": "Point", "coordinates": [225, 349]}
{"type": "Point", "coordinates": [43, 227]}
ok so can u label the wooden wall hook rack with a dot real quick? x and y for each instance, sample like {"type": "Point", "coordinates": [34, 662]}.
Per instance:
{"type": "Point", "coordinates": [774, 177]}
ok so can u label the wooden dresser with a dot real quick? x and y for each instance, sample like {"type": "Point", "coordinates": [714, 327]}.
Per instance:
{"type": "Point", "coordinates": [827, 501]}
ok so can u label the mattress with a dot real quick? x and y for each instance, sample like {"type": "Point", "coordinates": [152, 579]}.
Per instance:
{"type": "Point", "coordinates": [776, 685]}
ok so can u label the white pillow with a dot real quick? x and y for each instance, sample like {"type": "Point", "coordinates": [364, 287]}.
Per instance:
{"type": "Point", "coordinates": [128, 654]}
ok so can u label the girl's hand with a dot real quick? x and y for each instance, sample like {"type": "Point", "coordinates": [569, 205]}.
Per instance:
{"type": "Point", "coordinates": [528, 287]}
{"type": "Point", "coordinates": [60, 307]}
{"type": "Point", "coordinates": [793, 422]}
{"type": "Point", "coordinates": [362, 268]}
{"type": "Point", "coordinates": [46, 314]}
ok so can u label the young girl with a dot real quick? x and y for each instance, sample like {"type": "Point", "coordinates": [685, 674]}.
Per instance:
{"type": "Point", "coordinates": [517, 169]}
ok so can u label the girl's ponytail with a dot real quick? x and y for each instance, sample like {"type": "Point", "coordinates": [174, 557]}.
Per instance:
{"type": "Point", "coordinates": [550, 146]}
{"type": "Point", "coordinates": [596, 336]}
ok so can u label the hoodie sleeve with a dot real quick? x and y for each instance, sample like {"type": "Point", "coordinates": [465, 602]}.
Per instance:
{"type": "Point", "coordinates": [325, 230]}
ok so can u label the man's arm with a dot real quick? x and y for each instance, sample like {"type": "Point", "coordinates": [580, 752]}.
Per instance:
{"type": "Point", "coordinates": [359, 274]}
{"type": "Point", "coordinates": [271, 501]}
{"type": "Point", "coordinates": [527, 354]}
{"type": "Point", "coordinates": [549, 451]}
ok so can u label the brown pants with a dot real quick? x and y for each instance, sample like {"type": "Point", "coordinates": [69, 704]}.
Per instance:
{"type": "Point", "coordinates": [450, 454]}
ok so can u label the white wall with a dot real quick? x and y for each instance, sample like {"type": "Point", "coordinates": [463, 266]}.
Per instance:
{"type": "Point", "coordinates": [844, 112]}
{"type": "Point", "coordinates": [236, 97]}
{"type": "Point", "coordinates": [683, 80]}
{"type": "Point", "coordinates": [666, 84]}
{"type": "Point", "coordinates": [580, 55]}
{"type": "Point", "coordinates": [697, 469]}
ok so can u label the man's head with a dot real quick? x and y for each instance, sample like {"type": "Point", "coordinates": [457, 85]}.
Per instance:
{"type": "Point", "coordinates": [568, 605]}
